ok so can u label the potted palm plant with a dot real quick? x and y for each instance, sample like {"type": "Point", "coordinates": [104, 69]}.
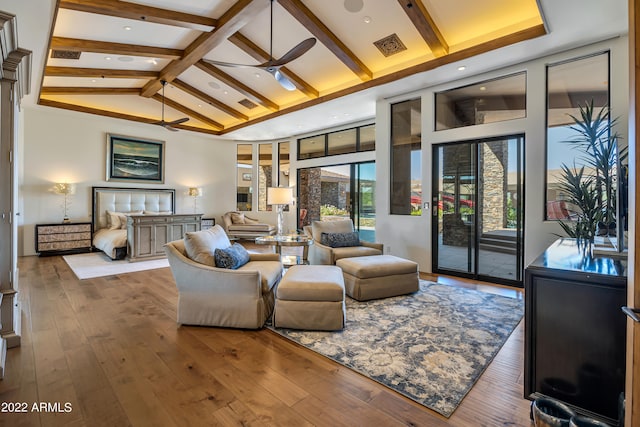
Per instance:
{"type": "Point", "coordinates": [593, 187]}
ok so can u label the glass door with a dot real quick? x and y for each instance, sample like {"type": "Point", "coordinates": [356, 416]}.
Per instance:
{"type": "Point", "coordinates": [335, 192]}
{"type": "Point", "coordinates": [478, 211]}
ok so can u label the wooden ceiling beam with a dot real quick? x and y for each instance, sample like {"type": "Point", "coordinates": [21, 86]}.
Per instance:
{"type": "Point", "coordinates": [230, 22]}
{"type": "Point", "coordinates": [426, 26]}
{"type": "Point", "coordinates": [70, 90]}
{"type": "Point", "coordinates": [208, 99]}
{"type": "Point", "coordinates": [139, 12]}
{"type": "Point", "coordinates": [99, 73]}
{"type": "Point", "coordinates": [258, 54]}
{"type": "Point", "coordinates": [526, 34]}
{"type": "Point", "coordinates": [239, 86]}
{"type": "Point", "coordinates": [113, 114]}
{"type": "Point", "coordinates": [188, 111]}
{"type": "Point", "coordinates": [79, 45]}
{"type": "Point", "coordinates": [316, 27]}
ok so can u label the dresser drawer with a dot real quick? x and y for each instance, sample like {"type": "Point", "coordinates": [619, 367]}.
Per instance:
{"type": "Point", "coordinates": [55, 239]}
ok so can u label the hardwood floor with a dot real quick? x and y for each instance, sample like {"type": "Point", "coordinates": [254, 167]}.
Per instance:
{"type": "Point", "coordinates": [110, 349]}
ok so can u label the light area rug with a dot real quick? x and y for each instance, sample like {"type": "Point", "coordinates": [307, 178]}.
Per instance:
{"type": "Point", "coordinates": [97, 264]}
{"type": "Point", "coordinates": [430, 346]}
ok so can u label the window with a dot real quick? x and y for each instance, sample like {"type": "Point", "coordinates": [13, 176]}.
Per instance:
{"type": "Point", "coordinates": [571, 85]}
{"type": "Point", "coordinates": [341, 142]}
{"type": "Point", "coordinates": [244, 177]}
{"type": "Point", "coordinates": [485, 102]}
{"type": "Point", "coordinates": [406, 160]}
{"type": "Point", "coordinates": [265, 175]}
{"type": "Point", "coordinates": [283, 165]}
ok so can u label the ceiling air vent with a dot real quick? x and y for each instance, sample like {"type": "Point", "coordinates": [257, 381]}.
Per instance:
{"type": "Point", "coordinates": [65, 54]}
{"type": "Point", "coordinates": [390, 45]}
{"type": "Point", "coordinates": [246, 103]}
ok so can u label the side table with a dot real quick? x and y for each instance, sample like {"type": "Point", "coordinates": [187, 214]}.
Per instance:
{"type": "Point", "coordinates": [288, 240]}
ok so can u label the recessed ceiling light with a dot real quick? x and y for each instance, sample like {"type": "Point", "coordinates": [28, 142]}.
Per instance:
{"type": "Point", "coordinates": [93, 80]}
{"type": "Point", "coordinates": [462, 68]}
{"type": "Point", "coordinates": [200, 105]}
{"type": "Point", "coordinates": [153, 61]}
{"type": "Point", "coordinates": [108, 58]}
{"type": "Point", "coordinates": [483, 88]}
{"type": "Point", "coordinates": [257, 75]}
{"type": "Point", "coordinates": [214, 85]}
{"type": "Point", "coordinates": [353, 6]}
{"type": "Point", "coordinates": [127, 28]}
{"type": "Point", "coordinates": [367, 19]}
{"type": "Point", "coordinates": [226, 92]}
{"type": "Point", "coordinates": [125, 59]}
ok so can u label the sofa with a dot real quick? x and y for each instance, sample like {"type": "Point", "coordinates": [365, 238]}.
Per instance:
{"type": "Point", "coordinates": [214, 296]}
{"type": "Point", "coordinates": [324, 254]}
{"type": "Point", "coordinates": [239, 226]}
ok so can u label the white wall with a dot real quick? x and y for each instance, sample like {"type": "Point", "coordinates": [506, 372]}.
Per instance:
{"type": "Point", "coordinates": [410, 236]}
{"type": "Point", "coordinates": [65, 146]}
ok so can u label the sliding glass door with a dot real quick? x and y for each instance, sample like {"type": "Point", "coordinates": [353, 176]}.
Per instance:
{"type": "Point", "coordinates": [478, 211]}
{"type": "Point", "coordinates": [342, 191]}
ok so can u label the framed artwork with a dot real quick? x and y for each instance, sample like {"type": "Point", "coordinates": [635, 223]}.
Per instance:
{"type": "Point", "coordinates": [135, 160]}
{"type": "Point", "coordinates": [246, 177]}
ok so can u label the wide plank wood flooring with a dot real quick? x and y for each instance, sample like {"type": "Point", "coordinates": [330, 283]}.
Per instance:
{"type": "Point", "coordinates": [110, 349]}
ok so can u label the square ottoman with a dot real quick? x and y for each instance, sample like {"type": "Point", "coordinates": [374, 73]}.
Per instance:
{"type": "Point", "coordinates": [310, 297]}
{"type": "Point", "coordinates": [378, 276]}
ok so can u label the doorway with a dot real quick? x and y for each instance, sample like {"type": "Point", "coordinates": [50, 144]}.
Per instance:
{"type": "Point", "coordinates": [340, 191]}
{"type": "Point", "coordinates": [478, 206]}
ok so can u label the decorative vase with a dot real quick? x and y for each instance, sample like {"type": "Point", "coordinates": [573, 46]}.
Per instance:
{"type": "Point", "coordinates": [551, 413]}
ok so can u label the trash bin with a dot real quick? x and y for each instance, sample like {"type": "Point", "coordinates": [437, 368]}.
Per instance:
{"type": "Point", "coordinates": [551, 413]}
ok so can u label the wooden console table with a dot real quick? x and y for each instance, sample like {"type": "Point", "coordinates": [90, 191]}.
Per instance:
{"type": "Point", "coordinates": [575, 330]}
{"type": "Point", "coordinates": [147, 234]}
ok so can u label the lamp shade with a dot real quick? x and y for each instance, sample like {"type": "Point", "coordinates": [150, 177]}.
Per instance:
{"type": "Point", "coordinates": [64, 188]}
{"type": "Point", "coordinates": [279, 195]}
{"type": "Point", "coordinates": [194, 192]}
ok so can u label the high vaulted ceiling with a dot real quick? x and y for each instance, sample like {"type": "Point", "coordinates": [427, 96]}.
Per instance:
{"type": "Point", "coordinates": [127, 49]}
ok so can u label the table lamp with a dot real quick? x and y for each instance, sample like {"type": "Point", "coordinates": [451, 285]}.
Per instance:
{"type": "Point", "coordinates": [66, 190]}
{"type": "Point", "coordinates": [195, 192]}
{"type": "Point", "coordinates": [280, 196]}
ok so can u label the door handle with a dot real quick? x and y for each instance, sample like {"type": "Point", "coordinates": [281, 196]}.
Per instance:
{"type": "Point", "coordinates": [632, 313]}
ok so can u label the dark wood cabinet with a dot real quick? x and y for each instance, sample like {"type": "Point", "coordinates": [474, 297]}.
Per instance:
{"type": "Point", "coordinates": [65, 238]}
{"type": "Point", "coordinates": [575, 331]}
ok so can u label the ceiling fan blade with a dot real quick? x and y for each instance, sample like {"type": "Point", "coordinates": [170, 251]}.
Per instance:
{"type": "Point", "coordinates": [177, 122]}
{"type": "Point", "coordinates": [297, 51]}
{"type": "Point", "coordinates": [282, 79]}
{"type": "Point", "coordinates": [167, 127]}
{"type": "Point", "coordinates": [227, 64]}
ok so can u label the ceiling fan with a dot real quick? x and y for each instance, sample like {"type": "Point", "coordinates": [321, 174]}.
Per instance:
{"type": "Point", "coordinates": [168, 125]}
{"type": "Point", "coordinates": [272, 66]}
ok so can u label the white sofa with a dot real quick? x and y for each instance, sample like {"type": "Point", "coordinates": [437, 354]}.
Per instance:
{"type": "Point", "coordinates": [212, 296]}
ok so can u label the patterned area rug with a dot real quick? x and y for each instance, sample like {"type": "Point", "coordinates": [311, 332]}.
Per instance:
{"type": "Point", "coordinates": [431, 346]}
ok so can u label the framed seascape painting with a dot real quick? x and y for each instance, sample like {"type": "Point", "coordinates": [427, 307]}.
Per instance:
{"type": "Point", "coordinates": [134, 159]}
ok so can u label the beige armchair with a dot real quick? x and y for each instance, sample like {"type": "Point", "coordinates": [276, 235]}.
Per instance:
{"type": "Point", "coordinates": [212, 296]}
{"type": "Point", "coordinates": [322, 254]}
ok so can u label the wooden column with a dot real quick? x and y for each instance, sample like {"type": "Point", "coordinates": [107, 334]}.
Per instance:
{"type": "Point", "coordinates": [15, 69]}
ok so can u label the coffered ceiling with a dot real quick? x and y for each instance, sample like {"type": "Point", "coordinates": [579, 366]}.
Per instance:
{"type": "Point", "coordinates": [108, 57]}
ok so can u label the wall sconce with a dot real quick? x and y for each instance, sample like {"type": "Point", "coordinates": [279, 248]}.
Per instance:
{"type": "Point", "coordinates": [280, 196]}
{"type": "Point", "coordinates": [195, 192]}
{"type": "Point", "coordinates": [66, 190]}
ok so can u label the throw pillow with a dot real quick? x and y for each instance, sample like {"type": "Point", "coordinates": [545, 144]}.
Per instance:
{"type": "Point", "coordinates": [237, 218]}
{"type": "Point", "coordinates": [248, 220]}
{"type": "Point", "coordinates": [340, 240]}
{"type": "Point", "coordinates": [201, 245]}
{"type": "Point", "coordinates": [233, 257]}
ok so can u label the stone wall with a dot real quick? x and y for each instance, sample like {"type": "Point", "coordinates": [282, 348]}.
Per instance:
{"type": "Point", "coordinates": [493, 185]}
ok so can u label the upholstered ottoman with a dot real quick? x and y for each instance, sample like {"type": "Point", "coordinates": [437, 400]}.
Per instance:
{"type": "Point", "coordinates": [378, 276]}
{"type": "Point", "coordinates": [310, 297]}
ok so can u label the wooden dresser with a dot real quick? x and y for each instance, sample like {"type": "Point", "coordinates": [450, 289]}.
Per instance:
{"type": "Point", "coordinates": [147, 234]}
{"type": "Point", "coordinates": [65, 238]}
